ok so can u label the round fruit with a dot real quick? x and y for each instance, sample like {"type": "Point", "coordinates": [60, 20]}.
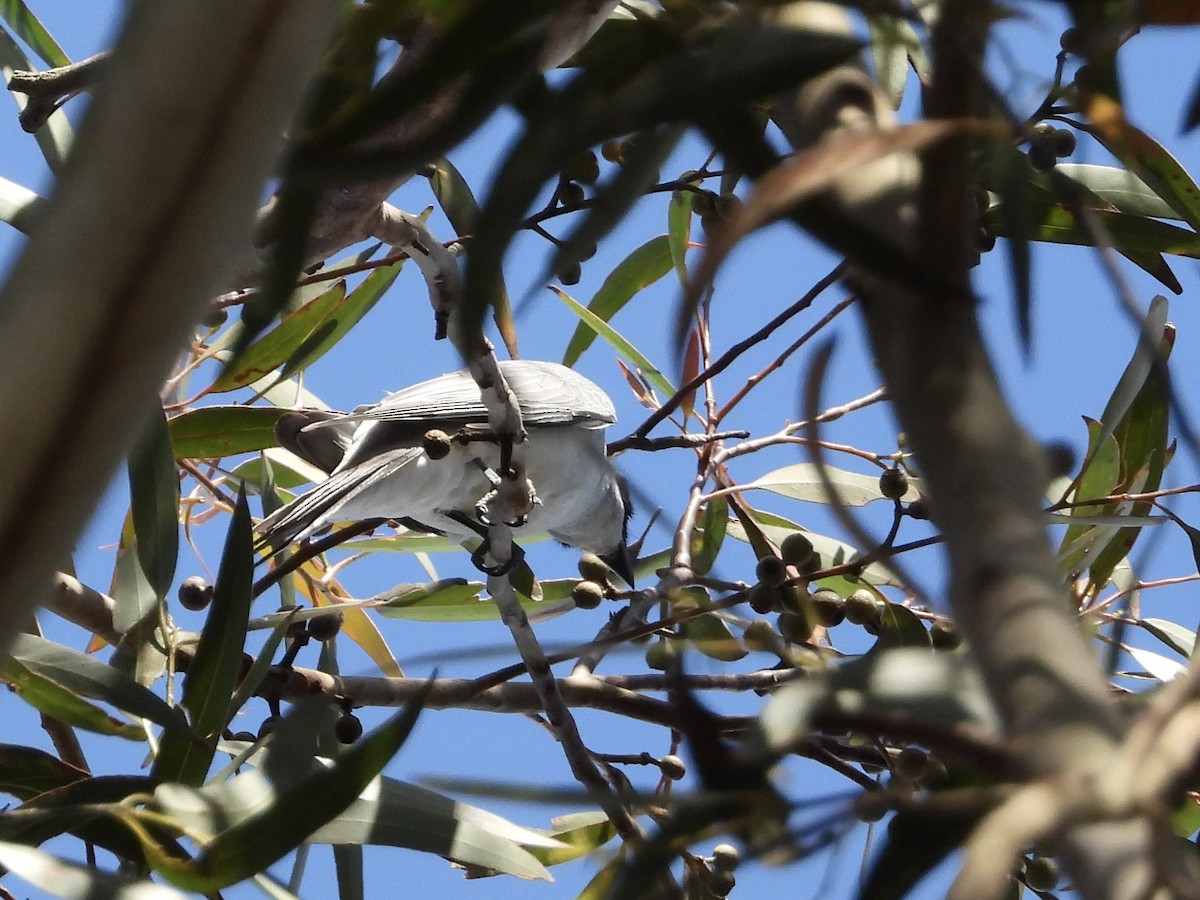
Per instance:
{"type": "Point", "coordinates": [795, 629]}
{"type": "Point", "coordinates": [1041, 874]}
{"type": "Point", "coordinates": [1062, 142]}
{"type": "Point", "coordinates": [611, 151]}
{"type": "Point", "coordinates": [1042, 156]}
{"type": "Point", "coordinates": [571, 273]}
{"type": "Point", "coordinates": [662, 654]}
{"type": "Point", "coordinates": [582, 167]}
{"type": "Point", "coordinates": [587, 595]}
{"type": "Point", "coordinates": [918, 509]}
{"type": "Point", "coordinates": [269, 724]}
{"type": "Point", "coordinates": [672, 767]}
{"type": "Point", "coordinates": [570, 193]}
{"type": "Point", "coordinates": [725, 857]}
{"type": "Point", "coordinates": [871, 806]}
{"type": "Point", "coordinates": [593, 568]}
{"type": "Point", "coordinates": [796, 549]}
{"type": "Point", "coordinates": [763, 599]}
{"type": "Point", "coordinates": [195, 593]}
{"type": "Point", "coordinates": [863, 608]}
{"type": "Point", "coordinates": [326, 627]}
{"type": "Point", "coordinates": [771, 571]}
{"type": "Point", "coordinates": [1071, 40]}
{"type": "Point", "coordinates": [794, 598]}
{"type": "Point", "coordinates": [247, 736]}
{"type": "Point", "coordinates": [436, 443]}
{"type": "Point", "coordinates": [348, 728]}
{"type": "Point", "coordinates": [1060, 458]}
{"type": "Point", "coordinates": [911, 764]}
{"type": "Point", "coordinates": [829, 607]}
{"type": "Point", "coordinates": [893, 483]}
{"type": "Point", "coordinates": [944, 635]}
{"type": "Point", "coordinates": [720, 883]}
{"type": "Point", "coordinates": [759, 635]}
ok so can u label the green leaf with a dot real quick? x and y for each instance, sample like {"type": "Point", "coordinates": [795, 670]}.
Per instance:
{"type": "Point", "coordinates": [25, 25]}
{"type": "Point", "coordinates": [1185, 821]}
{"type": "Point", "coordinates": [581, 833]}
{"type": "Point", "coordinates": [1100, 477]}
{"type": "Point", "coordinates": [457, 201]}
{"type": "Point", "coordinates": [154, 502]}
{"type": "Point", "coordinates": [134, 597]}
{"type": "Point", "coordinates": [398, 814]}
{"type": "Point", "coordinates": [679, 231]}
{"type": "Point", "coordinates": [52, 699]}
{"type": "Point", "coordinates": [1120, 187]}
{"type": "Point", "coordinates": [88, 677]}
{"type": "Point", "coordinates": [614, 197]}
{"type": "Point", "coordinates": [900, 627]}
{"type": "Point", "coordinates": [19, 206]}
{"type": "Point", "coordinates": [801, 481]}
{"type": "Point", "coordinates": [75, 882]}
{"type": "Point", "coordinates": [640, 269]}
{"type": "Point", "coordinates": [290, 818]}
{"type": "Point", "coordinates": [307, 334]}
{"type": "Point", "coordinates": [455, 600]}
{"type": "Point", "coordinates": [711, 636]}
{"type": "Point", "coordinates": [216, 431]}
{"type": "Point", "coordinates": [629, 352]}
{"type": "Point", "coordinates": [26, 772]}
{"type": "Point", "coordinates": [1181, 640]}
{"type": "Point", "coordinates": [709, 535]}
{"type": "Point", "coordinates": [216, 665]}
{"type": "Point", "coordinates": [1147, 159]}
{"type": "Point", "coordinates": [893, 41]}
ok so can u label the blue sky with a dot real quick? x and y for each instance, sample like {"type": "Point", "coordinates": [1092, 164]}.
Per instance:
{"type": "Point", "coordinates": [1082, 342]}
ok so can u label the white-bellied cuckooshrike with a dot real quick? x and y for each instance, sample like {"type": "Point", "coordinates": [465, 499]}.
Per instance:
{"type": "Point", "coordinates": [379, 466]}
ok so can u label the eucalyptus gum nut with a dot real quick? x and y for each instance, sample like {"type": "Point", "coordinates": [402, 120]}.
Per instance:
{"type": "Point", "coordinates": [195, 593]}
{"type": "Point", "coordinates": [593, 568]}
{"type": "Point", "coordinates": [760, 635]}
{"type": "Point", "coordinates": [944, 635]}
{"type": "Point", "coordinates": [863, 608]}
{"type": "Point", "coordinates": [662, 654]}
{"type": "Point", "coordinates": [796, 549]}
{"type": "Point", "coordinates": [570, 193]}
{"type": "Point", "coordinates": [911, 764]}
{"type": "Point", "coordinates": [726, 857]}
{"type": "Point", "coordinates": [672, 767]}
{"type": "Point", "coordinates": [1062, 142]}
{"type": "Point", "coordinates": [611, 151]}
{"type": "Point", "coordinates": [830, 609]}
{"type": "Point", "coordinates": [794, 628]}
{"type": "Point", "coordinates": [571, 273]}
{"type": "Point", "coordinates": [436, 444]}
{"type": "Point", "coordinates": [326, 627]}
{"type": "Point", "coordinates": [582, 167]}
{"type": "Point", "coordinates": [1042, 156]}
{"type": "Point", "coordinates": [348, 728]}
{"type": "Point", "coordinates": [763, 599]}
{"type": "Point", "coordinates": [893, 483]}
{"type": "Point", "coordinates": [771, 571]}
{"type": "Point", "coordinates": [587, 595]}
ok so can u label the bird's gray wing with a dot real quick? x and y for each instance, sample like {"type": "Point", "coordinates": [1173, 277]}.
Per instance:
{"type": "Point", "coordinates": [319, 507]}
{"type": "Point", "coordinates": [316, 436]}
{"type": "Point", "coordinates": [547, 393]}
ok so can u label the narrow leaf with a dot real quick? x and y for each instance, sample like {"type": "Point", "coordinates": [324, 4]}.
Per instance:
{"type": "Point", "coordinates": [801, 481]}
{"type": "Point", "coordinates": [712, 637]}
{"type": "Point", "coordinates": [640, 269]}
{"type": "Point", "coordinates": [25, 25]}
{"type": "Point", "coordinates": [216, 431]}
{"type": "Point", "coordinates": [154, 502]}
{"type": "Point", "coordinates": [88, 677]}
{"type": "Point", "coordinates": [1181, 640]}
{"type": "Point", "coordinates": [709, 535]}
{"type": "Point", "coordinates": [619, 343]}
{"type": "Point", "coordinates": [52, 699]}
{"type": "Point", "coordinates": [679, 231]}
{"type": "Point", "coordinates": [75, 882]}
{"type": "Point", "coordinates": [214, 669]}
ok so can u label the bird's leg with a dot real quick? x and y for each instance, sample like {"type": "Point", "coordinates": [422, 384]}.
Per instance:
{"type": "Point", "coordinates": [481, 508]}
{"type": "Point", "coordinates": [479, 554]}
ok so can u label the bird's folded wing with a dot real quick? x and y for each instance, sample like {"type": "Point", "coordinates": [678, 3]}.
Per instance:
{"type": "Point", "coordinates": [547, 394]}
{"type": "Point", "coordinates": [319, 507]}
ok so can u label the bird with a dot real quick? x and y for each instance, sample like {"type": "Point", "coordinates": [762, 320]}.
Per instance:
{"type": "Point", "coordinates": [378, 462]}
